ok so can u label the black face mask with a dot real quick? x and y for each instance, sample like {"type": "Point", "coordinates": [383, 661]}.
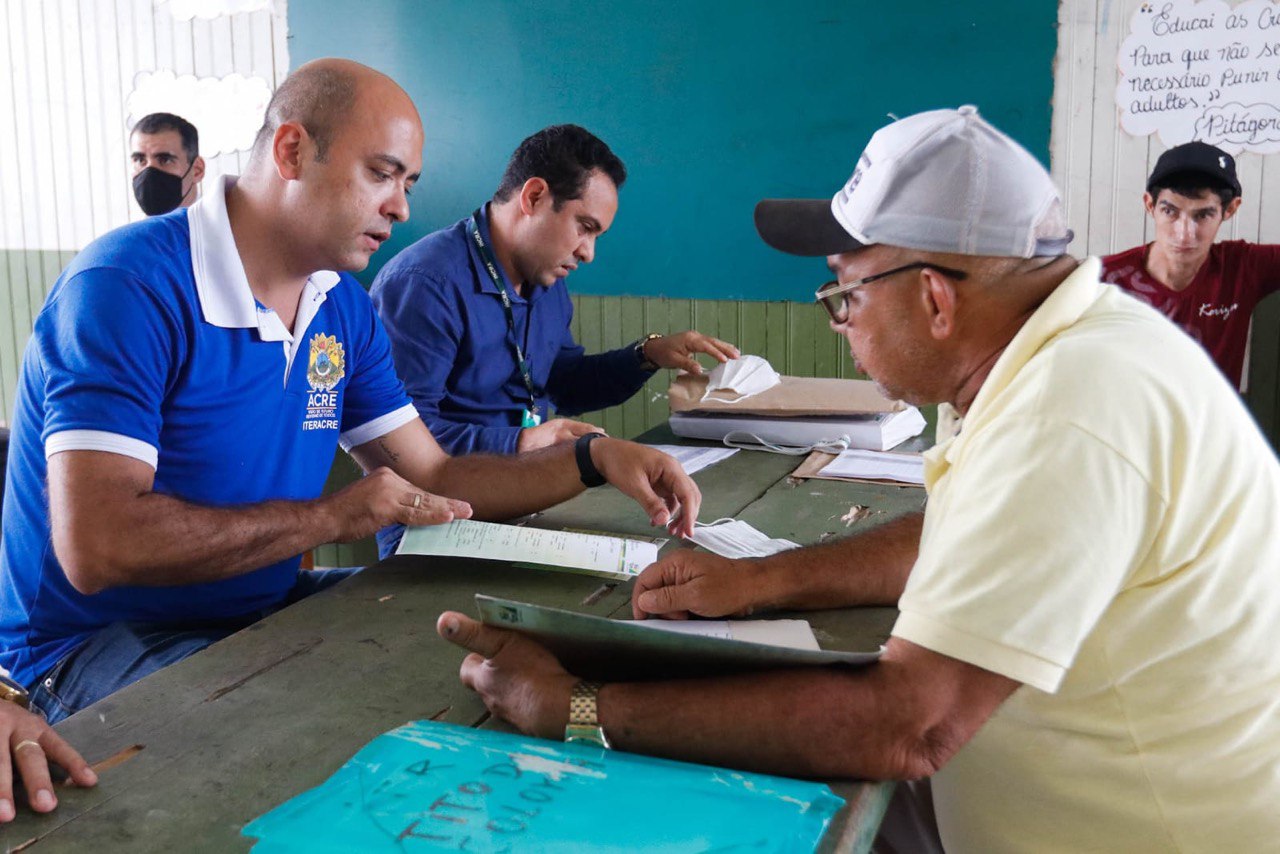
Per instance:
{"type": "Point", "coordinates": [158, 192]}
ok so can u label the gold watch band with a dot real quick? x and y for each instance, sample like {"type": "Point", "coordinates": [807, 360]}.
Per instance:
{"type": "Point", "coordinates": [645, 362]}
{"type": "Point", "coordinates": [584, 722]}
{"type": "Point", "coordinates": [582, 703]}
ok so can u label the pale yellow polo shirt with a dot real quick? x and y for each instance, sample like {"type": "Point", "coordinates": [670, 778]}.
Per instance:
{"type": "Point", "coordinates": [1104, 530]}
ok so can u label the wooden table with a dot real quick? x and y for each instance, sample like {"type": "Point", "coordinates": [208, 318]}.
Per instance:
{"type": "Point", "coordinates": [273, 710]}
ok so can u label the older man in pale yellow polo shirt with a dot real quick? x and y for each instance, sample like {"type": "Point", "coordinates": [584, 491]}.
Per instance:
{"type": "Point", "coordinates": [1085, 658]}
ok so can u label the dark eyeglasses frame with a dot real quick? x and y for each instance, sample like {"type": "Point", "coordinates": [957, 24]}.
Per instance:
{"type": "Point", "coordinates": [839, 309]}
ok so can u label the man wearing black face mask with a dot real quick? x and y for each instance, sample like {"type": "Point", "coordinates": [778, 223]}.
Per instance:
{"type": "Point", "coordinates": [167, 164]}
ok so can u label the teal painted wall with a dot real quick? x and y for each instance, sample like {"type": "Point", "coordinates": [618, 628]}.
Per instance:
{"type": "Point", "coordinates": [713, 104]}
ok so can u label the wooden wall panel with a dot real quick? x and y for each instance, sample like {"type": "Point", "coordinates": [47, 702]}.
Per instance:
{"type": "Point", "coordinates": [64, 171]}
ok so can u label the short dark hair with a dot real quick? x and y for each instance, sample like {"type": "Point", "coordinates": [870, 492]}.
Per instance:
{"type": "Point", "coordinates": [161, 122]}
{"type": "Point", "coordinates": [1191, 184]}
{"type": "Point", "coordinates": [564, 156]}
{"type": "Point", "coordinates": [318, 97]}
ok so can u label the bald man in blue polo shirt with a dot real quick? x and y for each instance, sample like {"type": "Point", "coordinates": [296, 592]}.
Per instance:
{"type": "Point", "coordinates": [185, 388]}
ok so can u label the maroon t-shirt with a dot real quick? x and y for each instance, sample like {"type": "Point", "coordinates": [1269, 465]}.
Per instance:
{"type": "Point", "coordinates": [1215, 309]}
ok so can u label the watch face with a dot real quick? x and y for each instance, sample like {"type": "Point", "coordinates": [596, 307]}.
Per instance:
{"type": "Point", "coordinates": [586, 734]}
{"type": "Point", "coordinates": [12, 692]}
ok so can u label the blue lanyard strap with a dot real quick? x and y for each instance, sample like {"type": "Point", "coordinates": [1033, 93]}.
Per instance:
{"type": "Point", "coordinates": [491, 264]}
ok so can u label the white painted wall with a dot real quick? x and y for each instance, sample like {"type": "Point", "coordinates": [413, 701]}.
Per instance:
{"type": "Point", "coordinates": [68, 69]}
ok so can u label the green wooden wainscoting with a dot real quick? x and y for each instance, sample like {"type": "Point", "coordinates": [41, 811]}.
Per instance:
{"type": "Point", "coordinates": [796, 340]}
{"type": "Point", "coordinates": [25, 279]}
{"type": "Point", "coordinates": [794, 337]}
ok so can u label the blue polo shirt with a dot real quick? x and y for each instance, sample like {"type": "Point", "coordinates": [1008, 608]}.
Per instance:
{"type": "Point", "coordinates": [452, 345]}
{"type": "Point", "coordinates": [151, 345]}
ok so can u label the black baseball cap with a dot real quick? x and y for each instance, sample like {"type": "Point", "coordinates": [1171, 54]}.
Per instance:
{"type": "Point", "coordinates": [1199, 157]}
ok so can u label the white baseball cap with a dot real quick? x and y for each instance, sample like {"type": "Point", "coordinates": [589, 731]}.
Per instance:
{"type": "Point", "coordinates": [940, 181]}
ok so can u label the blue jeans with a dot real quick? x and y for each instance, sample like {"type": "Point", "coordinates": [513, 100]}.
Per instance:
{"type": "Point", "coordinates": [122, 653]}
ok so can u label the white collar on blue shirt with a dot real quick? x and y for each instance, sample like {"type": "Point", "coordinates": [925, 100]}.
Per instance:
{"type": "Point", "coordinates": [225, 297]}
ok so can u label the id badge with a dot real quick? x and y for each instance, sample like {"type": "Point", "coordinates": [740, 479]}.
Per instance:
{"type": "Point", "coordinates": [530, 418]}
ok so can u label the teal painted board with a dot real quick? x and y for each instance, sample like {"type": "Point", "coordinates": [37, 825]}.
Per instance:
{"type": "Point", "coordinates": [713, 105]}
{"type": "Point", "coordinates": [436, 786]}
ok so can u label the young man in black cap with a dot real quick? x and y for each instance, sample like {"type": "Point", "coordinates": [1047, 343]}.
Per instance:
{"type": "Point", "coordinates": [1209, 289]}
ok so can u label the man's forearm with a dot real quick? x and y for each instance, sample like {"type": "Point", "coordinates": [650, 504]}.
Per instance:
{"type": "Point", "coordinates": [504, 487]}
{"type": "Point", "coordinates": [171, 542]}
{"type": "Point", "coordinates": [865, 569]}
{"type": "Point", "coordinates": [807, 722]}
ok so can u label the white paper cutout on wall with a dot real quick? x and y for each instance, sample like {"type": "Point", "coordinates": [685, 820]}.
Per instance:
{"type": "Point", "coordinates": [226, 111]}
{"type": "Point", "coordinates": [185, 10]}
{"type": "Point", "coordinates": [1203, 70]}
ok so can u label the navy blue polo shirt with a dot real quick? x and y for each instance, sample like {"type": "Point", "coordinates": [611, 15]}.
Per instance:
{"type": "Point", "coordinates": [452, 345]}
{"type": "Point", "coordinates": [151, 345]}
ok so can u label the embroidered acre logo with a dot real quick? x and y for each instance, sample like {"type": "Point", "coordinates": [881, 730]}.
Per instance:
{"type": "Point", "coordinates": [326, 365]}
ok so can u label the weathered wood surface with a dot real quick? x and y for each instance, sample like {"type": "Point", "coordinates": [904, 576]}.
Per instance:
{"type": "Point", "coordinates": [274, 710]}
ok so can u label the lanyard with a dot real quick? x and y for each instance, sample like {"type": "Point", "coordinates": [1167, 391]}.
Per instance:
{"type": "Point", "coordinates": [491, 264]}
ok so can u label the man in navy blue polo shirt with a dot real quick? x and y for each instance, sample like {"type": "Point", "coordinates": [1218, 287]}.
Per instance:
{"type": "Point", "coordinates": [186, 385]}
{"type": "Point", "coordinates": [478, 313]}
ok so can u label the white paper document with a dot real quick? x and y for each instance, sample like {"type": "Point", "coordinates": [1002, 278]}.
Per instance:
{"type": "Point", "coordinates": [735, 538]}
{"type": "Point", "coordinates": [794, 634]}
{"type": "Point", "coordinates": [696, 459]}
{"type": "Point", "coordinates": [875, 465]}
{"type": "Point", "coordinates": [592, 553]}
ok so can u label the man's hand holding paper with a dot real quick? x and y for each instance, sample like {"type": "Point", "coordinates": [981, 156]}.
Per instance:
{"type": "Point", "coordinates": [382, 498]}
{"type": "Point", "coordinates": [518, 680]}
{"type": "Point", "coordinates": [689, 583]}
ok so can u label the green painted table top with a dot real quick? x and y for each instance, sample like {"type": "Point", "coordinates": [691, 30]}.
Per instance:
{"type": "Point", "coordinates": [275, 709]}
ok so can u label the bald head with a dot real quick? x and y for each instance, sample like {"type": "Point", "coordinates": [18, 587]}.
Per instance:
{"type": "Point", "coordinates": [322, 96]}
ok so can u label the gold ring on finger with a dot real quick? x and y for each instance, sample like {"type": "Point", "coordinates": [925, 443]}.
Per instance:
{"type": "Point", "coordinates": [417, 500]}
{"type": "Point", "coordinates": [26, 742]}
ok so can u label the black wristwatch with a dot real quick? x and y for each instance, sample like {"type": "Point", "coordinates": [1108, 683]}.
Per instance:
{"type": "Point", "coordinates": [12, 692]}
{"type": "Point", "coordinates": [645, 363]}
{"type": "Point", "coordinates": [587, 471]}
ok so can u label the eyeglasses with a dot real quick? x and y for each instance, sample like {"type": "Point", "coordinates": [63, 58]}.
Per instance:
{"type": "Point", "coordinates": [834, 296]}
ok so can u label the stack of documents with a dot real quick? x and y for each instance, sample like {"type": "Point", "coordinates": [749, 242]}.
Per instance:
{"type": "Point", "coordinates": [863, 466]}
{"type": "Point", "coordinates": [797, 412]}
{"type": "Point", "coordinates": [875, 430]}
{"type": "Point", "coordinates": [873, 465]}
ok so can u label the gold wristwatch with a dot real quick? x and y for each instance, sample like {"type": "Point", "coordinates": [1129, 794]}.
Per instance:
{"type": "Point", "coordinates": [12, 692]}
{"type": "Point", "coordinates": [646, 364]}
{"type": "Point", "coordinates": [584, 727]}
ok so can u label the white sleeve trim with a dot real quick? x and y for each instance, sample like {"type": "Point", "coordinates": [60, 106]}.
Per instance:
{"type": "Point", "coordinates": [100, 440]}
{"type": "Point", "coordinates": [380, 426]}
{"type": "Point", "coordinates": [1024, 667]}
